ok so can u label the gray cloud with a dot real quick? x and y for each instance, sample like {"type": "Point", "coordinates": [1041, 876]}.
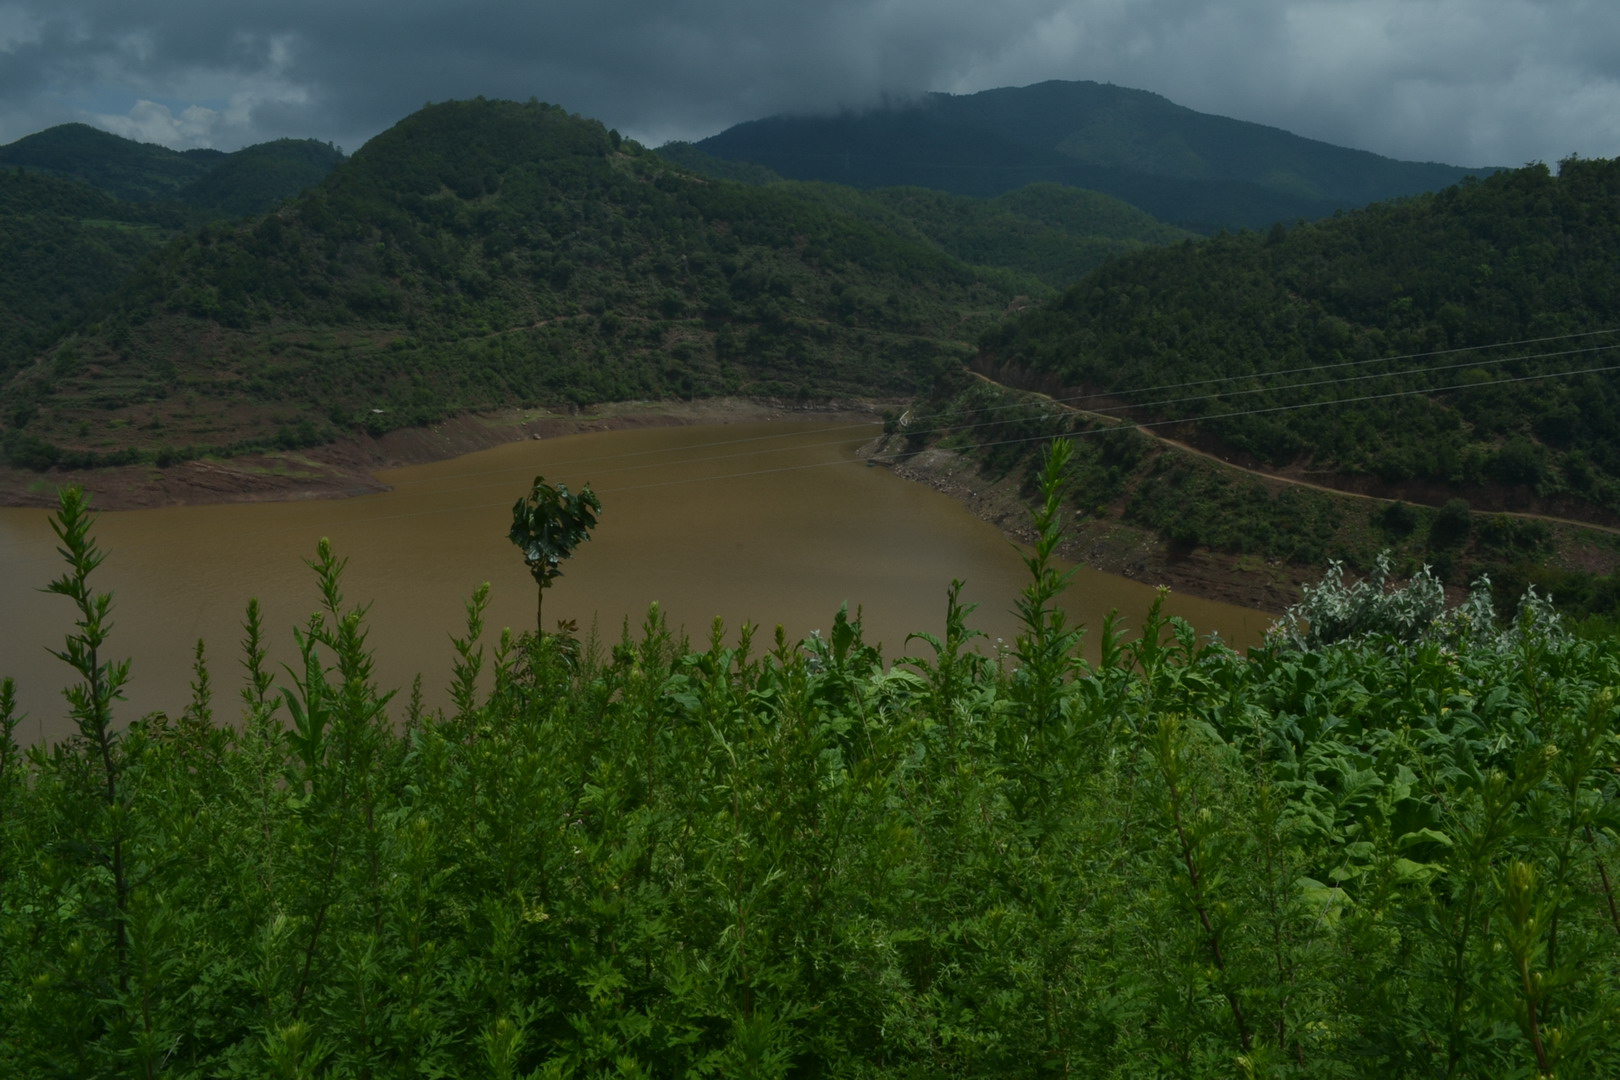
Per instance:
{"type": "Point", "coordinates": [1463, 81]}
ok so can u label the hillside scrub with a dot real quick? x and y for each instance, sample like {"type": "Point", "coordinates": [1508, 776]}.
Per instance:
{"type": "Point", "coordinates": [483, 255]}
{"type": "Point", "coordinates": [1126, 480]}
{"type": "Point", "coordinates": [647, 857]}
{"type": "Point", "coordinates": [81, 211]}
{"type": "Point", "coordinates": [1461, 340]}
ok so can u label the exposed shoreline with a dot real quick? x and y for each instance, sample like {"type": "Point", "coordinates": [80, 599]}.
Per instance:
{"type": "Point", "coordinates": [1105, 543]}
{"type": "Point", "coordinates": [348, 468]}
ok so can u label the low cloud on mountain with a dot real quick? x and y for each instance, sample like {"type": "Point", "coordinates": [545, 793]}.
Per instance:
{"type": "Point", "coordinates": [1464, 81]}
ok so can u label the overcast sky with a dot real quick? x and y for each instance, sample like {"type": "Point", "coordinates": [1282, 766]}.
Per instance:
{"type": "Point", "coordinates": [1467, 82]}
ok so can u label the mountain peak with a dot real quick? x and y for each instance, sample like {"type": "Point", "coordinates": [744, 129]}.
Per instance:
{"type": "Point", "coordinates": [1200, 171]}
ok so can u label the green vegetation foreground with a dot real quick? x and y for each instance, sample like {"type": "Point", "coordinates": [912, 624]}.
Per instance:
{"type": "Point", "coordinates": [1381, 846]}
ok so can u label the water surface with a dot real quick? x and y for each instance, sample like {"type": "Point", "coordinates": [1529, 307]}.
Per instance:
{"type": "Point", "coordinates": [771, 522]}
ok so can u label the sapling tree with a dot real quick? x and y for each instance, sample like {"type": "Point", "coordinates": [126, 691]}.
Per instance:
{"type": "Point", "coordinates": [548, 524]}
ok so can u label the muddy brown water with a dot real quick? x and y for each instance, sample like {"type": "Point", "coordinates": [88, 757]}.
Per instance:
{"type": "Point", "coordinates": [773, 523]}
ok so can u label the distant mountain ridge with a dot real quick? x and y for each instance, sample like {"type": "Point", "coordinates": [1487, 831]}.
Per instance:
{"type": "Point", "coordinates": [64, 246]}
{"type": "Point", "coordinates": [80, 209]}
{"type": "Point", "coordinates": [249, 181]}
{"type": "Point", "coordinates": [1187, 168]}
{"type": "Point", "coordinates": [1054, 232]}
{"type": "Point", "coordinates": [469, 224]}
{"type": "Point", "coordinates": [486, 253]}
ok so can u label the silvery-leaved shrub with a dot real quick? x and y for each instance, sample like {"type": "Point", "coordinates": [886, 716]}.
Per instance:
{"type": "Point", "coordinates": [1378, 606]}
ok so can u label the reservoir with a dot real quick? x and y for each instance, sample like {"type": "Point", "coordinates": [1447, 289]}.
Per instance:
{"type": "Point", "coordinates": [775, 522]}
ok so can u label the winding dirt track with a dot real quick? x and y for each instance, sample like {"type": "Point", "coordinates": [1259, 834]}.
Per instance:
{"type": "Point", "coordinates": [1187, 448]}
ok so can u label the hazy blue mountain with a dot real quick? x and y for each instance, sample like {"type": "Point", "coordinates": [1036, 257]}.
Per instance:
{"type": "Point", "coordinates": [1191, 169]}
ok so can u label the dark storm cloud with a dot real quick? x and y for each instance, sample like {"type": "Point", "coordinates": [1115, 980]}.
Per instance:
{"type": "Point", "coordinates": [1468, 81]}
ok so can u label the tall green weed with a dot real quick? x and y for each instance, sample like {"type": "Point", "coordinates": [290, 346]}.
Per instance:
{"type": "Point", "coordinates": [1378, 857]}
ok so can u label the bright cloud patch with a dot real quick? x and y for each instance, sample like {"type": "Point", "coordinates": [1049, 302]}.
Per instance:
{"type": "Point", "coordinates": [152, 122]}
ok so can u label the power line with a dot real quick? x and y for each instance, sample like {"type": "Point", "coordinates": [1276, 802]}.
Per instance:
{"type": "Point", "coordinates": [670, 452]}
{"type": "Point", "coordinates": [1045, 438]}
{"type": "Point", "coordinates": [1359, 363]}
{"type": "Point", "coordinates": [1105, 411]}
{"type": "Point", "coordinates": [1296, 406]}
{"type": "Point", "coordinates": [1033, 438]}
{"type": "Point", "coordinates": [1342, 381]}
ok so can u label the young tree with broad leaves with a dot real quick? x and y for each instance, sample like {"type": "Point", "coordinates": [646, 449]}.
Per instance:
{"type": "Point", "coordinates": [548, 524]}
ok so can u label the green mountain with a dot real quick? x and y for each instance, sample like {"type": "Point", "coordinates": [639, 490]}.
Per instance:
{"type": "Point", "coordinates": [65, 246]}
{"type": "Point", "coordinates": [256, 178]}
{"type": "Point", "coordinates": [81, 209]}
{"type": "Point", "coordinates": [1049, 231]}
{"type": "Point", "coordinates": [1454, 344]}
{"type": "Point", "coordinates": [1194, 170]}
{"type": "Point", "coordinates": [485, 253]}
{"type": "Point", "coordinates": [123, 168]}
{"type": "Point", "coordinates": [248, 181]}
{"type": "Point", "coordinates": [1052, 232]}
{"type": "Point", "coordinates": [692, 160]}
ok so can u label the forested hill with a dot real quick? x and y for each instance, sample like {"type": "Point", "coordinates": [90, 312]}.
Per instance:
{"type": "Point", "coordinates": [249, 181]}
{"type": "Point", "coordinates": [1191, 169]}
{"type": "Point", "coordinates": [122, 168]}
{"type": "Point", "coordinates": [1419, 330]}
{"type": "Point", "coordinates": [80, 209]}
{"type": "Point", "coordinates": [1053, 231]}
{"type": "Point", "coordinates": [483, 253]}
{"type": "Point", "coordinates": [64, 246]}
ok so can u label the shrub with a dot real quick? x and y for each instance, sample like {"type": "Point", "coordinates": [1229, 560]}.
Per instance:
{"type": "Point", "coordinates": [1338, 609]}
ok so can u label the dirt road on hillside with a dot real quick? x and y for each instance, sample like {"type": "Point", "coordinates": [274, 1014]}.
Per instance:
{"type": "Point", "coordinates": [1188, 448]}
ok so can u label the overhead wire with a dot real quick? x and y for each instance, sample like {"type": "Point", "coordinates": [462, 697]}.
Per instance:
{"type": "Point", "coordinates": [668, 455]}
{"type": "Point", "coordinates": [1015, 441]}
{"type": "Point", "coordinates": [1476, 363]}
{"type": "Point", "coordinates": [665, 453]}
{"type": "Point", "coordinates": [1121, 408]}
{"type": "Point", "coordinates": [1362, 363]}
{"type": "Point", "coordinates": [1304, 405]}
